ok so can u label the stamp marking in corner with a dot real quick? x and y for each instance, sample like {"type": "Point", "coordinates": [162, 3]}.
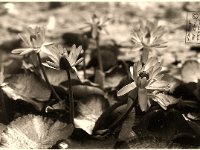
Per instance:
{"type": "Point", "coordinates": [193, 27]}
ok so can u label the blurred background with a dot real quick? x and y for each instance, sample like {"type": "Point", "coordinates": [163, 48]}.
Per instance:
{"type": "Point", "coordinates": [63, 17]}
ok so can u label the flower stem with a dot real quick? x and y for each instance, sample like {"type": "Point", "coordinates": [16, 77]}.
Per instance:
{"type": "Point", "coordinates": [145, 55]}
{"type": "Point", "coordinates": [85, 47]}
{"type": "Point", "coordinates": [99, 54]}
{"type": "Point", "coordinates": [47, 80]}
{"type": "Point", "coordinates": [84, 67]}
{"type": "Point", "coordinates": [4, 109]}
{"type": "Point", "coordinates": [71, 99]}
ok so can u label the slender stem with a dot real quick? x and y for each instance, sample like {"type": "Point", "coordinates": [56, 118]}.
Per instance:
{"type": "Point", "coordinates": [85, 47]}
{"type": "Point", "coordinates": [84, 67]}
{"type": "Point", "coordinates": [4, 109]}
{"type": "Point", "coordinates": [99, 54]}
{"type": "Point", "coordinates": [71, 99]}
{"type": "Point", "coordinates": [145, 55]}
{"type": "Point", "coordinates": [47, 80]}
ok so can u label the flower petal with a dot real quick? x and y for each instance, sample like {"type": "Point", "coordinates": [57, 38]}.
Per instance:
{"type": "Point", "coordinates": [165, 100]}
{"type": "Point", "coordinates": [159, 85]}
{"type": "Point", "coordinates": [22, 50]}
{"type": "Point", "coordinates": [78, 62]}
{"type": "Point", "coordinates": [25, 38]}
{"type": "Point", "coordinates": [136, 68]}
{"type": "Point", "coordinates": [51, 65]}
{"type": "Point", "coordinates": [75, 53]}
{"type": "Point", "coordinates": [126, 89]}
{"type": "Point", "coordinates": [143, 99]}
{"type": "Point", "coordinates": [155, 72]}
{"type": "Point", "coordinates": [149, 63]}
{"type": "Point", "coordinates": [26, 51]}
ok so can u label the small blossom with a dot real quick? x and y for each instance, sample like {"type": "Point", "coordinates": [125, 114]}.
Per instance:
{"type": "Point", "coordinates": [34, 40]}
{"type": "Point", "coordinates": [148, 81]}
{"type": "Point", "coordinates": [58, 52]}
{"type": "Point", "coordinates": [96, 25]}
{"type": "Point", "coordinates": [148, 35]}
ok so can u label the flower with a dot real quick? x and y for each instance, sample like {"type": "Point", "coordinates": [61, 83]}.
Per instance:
{"type": "Point", "coordinates": [149, 83]}
{"type": "Point", "coordinates": [97, 25]}
{"type": "Point", "coordinates": [149, 35]}
{"type": "Point", "coordinates": [58, 52]}
{"type": "Point", "coordinates": [34, 39]}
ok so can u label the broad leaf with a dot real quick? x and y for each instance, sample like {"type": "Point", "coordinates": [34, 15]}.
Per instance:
{"type": "Point", "coordinates": [27, 87]}
{"type": "Point", "coordinates": [56, 77]}
{"type": "Point", "coordinates": [89, 111]}
{"type": "Point", "coordinates": [34, 132]}
{"type": "Point", "coordinates": [114, 75]}
{"type": "Point", "coordinates": [190, 71]}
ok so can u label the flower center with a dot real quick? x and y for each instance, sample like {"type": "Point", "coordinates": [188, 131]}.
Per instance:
{"type": "Point", "coordinates": [148, 35]}
{"type": "Point", "coordinates": [144, 74]}
{"type": "Point", "coordinates": [33, 36]}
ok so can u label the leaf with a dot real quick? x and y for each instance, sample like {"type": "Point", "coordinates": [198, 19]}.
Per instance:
{"type": "Point", "coordinates": [89, 143]}
{"type": "Point", "coordinates": [83, 90]}
{"type": "Point", "coordinates": [58, 107]}
{"type": "Point", "coordinates": [187, 140]}
{"type": "Point", "coordinates": [56, 77]}
{"type": "Point", "coordinates": [148, 142]}
{"type": "Point", "coordinates": [114, 75]}
{"type": "Point", "coordinates": [27, 87]}
{"type": "Point", "coordinates": [100, 78]}
{"type": "Point", "coordinates": [34, 132]}
{"type": "Point", "coordinates": [126, 134]}
{"type": "Point", "coordinates": [162, 124]}
{"type": "Point", "coordinates": [89, 111]}
{"type": "Point", "coordinates": [2, 127]}
{"type": "Point", "coordinates": [195, 126]}
{"type": "Point", "coordinates": [190, 71]}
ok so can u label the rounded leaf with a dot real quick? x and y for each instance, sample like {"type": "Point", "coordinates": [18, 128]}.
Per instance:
{"type": "Point", "coordinates": [190, 71]}
{"type": "Point", "coordinates": [34, 132]}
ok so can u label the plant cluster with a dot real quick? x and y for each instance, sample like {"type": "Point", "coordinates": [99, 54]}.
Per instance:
{"type": "Point", "coordinates": [60, 100]}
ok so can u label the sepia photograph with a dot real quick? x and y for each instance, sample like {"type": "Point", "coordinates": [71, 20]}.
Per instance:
{"type": "Point", "coordinates": [100, 75]}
